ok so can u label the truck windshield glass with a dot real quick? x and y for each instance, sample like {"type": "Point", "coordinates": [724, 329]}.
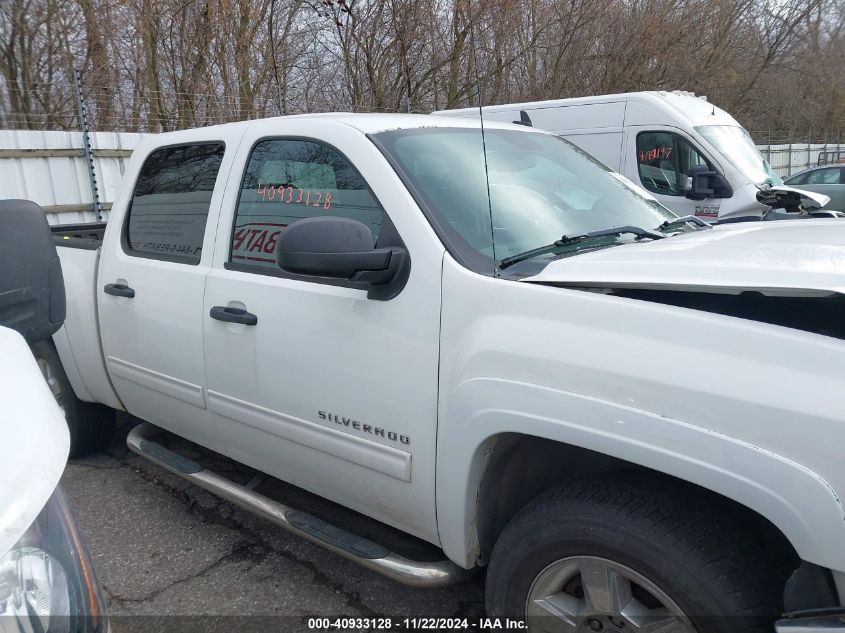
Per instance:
{"type": "Point", "coordinates": [738, 147]}
{"type": "Point", "coordinates": [541, 188]}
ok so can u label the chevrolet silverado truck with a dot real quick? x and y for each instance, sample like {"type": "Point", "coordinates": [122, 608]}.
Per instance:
{"type": "Point", "coordinates": [484, 338]}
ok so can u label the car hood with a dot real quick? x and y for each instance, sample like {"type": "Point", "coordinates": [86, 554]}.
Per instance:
{"type": "Point", "coordinates": [804, 258]}
{"type": "Point", "coordinates": [785, 192]}
{"type": "Point", "coordinates": [34, 439]}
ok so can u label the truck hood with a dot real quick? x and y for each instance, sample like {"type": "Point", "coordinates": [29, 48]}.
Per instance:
{"type": "Point", "coordinates": [797, 259]}
{"type": "Point", "coordinates": [34, 439]}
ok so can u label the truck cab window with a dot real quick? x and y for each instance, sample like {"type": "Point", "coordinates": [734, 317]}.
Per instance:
{"type": "Point", "coordinates": [288, 180]}
{"type": "Point", "coordinates": [169, 208]}
{"type": "Point", "coordinates": [664, 160]}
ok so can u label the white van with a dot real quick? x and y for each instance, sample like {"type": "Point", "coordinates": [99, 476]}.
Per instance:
{"type": "Point", "coordinates": [693, 157]}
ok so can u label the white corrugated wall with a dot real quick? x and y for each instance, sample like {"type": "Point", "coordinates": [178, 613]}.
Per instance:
{"type": "Point", "coordinates": [55, 181]}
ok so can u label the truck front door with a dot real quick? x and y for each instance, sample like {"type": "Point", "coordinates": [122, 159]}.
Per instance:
{"type": "Point", "coordinates": [659, 160]}
{"type": "Point", "coordinates": [317, 384]}
{"type": "Point", "coordinates": [150, 288]}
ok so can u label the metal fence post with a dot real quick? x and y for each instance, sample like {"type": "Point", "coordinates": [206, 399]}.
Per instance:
{"type": "Point", "coordinates": [825, 141]}
{"type": "Point", "coordinates": [809, 143]}
{"type": "Point", "coordinates": [769, 148]}
{"type": "Point", "coordinates": [86, 145]}
{"type": "Point", "coordinates": [789, 163]}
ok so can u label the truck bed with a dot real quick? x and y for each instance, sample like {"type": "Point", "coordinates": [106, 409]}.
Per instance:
{"type": "Point", "coordinates": [87, 236]}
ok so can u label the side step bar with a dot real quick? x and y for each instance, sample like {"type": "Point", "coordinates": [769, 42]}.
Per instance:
{"type": "Point", "coordinates": [360, 550]}
{"type": "Point", "coordinates": [813, 621]}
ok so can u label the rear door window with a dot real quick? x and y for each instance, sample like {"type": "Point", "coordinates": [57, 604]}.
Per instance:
{"type": "Point", "coordinates": [170, 204]}
{"type": "Point", "coordinates": [830, 176]}
{"type": "Point", "coordinates": [287, 180]}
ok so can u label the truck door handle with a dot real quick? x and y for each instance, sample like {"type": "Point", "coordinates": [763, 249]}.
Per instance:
{"type": "Point", "coordinates": [119, 290]}
{"type": "Point", "coordinates": [233, 315]}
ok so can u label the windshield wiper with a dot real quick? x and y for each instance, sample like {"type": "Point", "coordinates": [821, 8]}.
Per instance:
{"type": "Point", "coordinates": [577, 239]}
{"type": "Point", "coordinates": [683, 220]}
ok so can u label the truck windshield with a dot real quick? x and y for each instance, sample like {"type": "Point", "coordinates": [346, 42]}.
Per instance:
{"type": "Point", "coordinates": [737, 146]}
{"type": "Point", "coordinates": [541, 188]}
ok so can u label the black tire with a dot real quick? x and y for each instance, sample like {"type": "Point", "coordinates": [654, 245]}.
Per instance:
{"type": "Point", "coordinates": [718, 572]}
{"type": "Point", "coordinates": [90, 425]}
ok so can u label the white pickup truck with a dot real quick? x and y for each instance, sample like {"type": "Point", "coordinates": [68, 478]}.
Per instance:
{"type": "Point", "coordinates": [635, 422]}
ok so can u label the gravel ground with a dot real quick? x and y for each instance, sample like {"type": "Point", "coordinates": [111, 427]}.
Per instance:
{"type": "Point", "coordinates": [172, 557]}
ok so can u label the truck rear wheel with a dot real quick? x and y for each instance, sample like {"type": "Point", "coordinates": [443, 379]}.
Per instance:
{"type": "Point", "coordinates": [623, 554]}
{"type": "Point", "coordinates": [90, 424]}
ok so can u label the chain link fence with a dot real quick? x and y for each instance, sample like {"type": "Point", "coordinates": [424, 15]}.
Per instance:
{"type": "Point", "coordinates": [789, 152]}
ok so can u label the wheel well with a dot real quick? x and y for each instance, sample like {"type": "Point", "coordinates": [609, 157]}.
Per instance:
{"type": "Point", "coordinates": [521, 467]}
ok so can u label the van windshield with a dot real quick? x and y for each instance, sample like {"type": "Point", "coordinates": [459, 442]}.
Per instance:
{"type": "Point", "coordinates": [738, 147]}
{"type": "Point", "coordinates": [541, 188]}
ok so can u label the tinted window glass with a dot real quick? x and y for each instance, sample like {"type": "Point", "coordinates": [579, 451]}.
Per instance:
{"type": "Point", "coordinates": [795, 180]}
{"type": "Point", "coordinates": [288, 180]}
{"type": "Point", "coordinates": [823, 177]}
{"type": "Point", "coordinates": [170, 204]}
{"type": "Point", "coordinates": [664, 161]}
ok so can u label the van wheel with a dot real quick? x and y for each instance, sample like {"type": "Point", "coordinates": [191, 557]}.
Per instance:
{"type": "Point", "coordinates": [626, 554]}
{"type": "Point", "coordinates": [90, 424]}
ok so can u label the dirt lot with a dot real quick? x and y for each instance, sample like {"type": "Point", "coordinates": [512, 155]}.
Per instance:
{"type": "Point", "coordinates": [172, 557]}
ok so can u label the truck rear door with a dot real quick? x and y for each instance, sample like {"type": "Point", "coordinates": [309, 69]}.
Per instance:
{"type": "Point", "coordinates": [151, 283]}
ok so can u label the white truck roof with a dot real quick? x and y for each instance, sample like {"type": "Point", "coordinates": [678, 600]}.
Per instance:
{"type": "Point", "coordinates": [662, 106]}
{"type": "Point", "coordinates": [364, 123]}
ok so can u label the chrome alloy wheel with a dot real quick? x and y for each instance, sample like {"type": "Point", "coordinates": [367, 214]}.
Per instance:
{"type": "Point", "coordinates": [52, 381]}
{"type": "Point", "coordinates": [588, 594]}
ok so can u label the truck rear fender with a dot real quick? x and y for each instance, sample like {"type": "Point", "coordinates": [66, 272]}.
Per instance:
{"type": "Point", "coordinates": [74, 376]}
{"type": "Point", "coordinates": [78, 342]}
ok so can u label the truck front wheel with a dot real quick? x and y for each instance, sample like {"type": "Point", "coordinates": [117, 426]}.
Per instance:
{"type": "Point", "coordinates": [90, 424]}
{"type": "Point", "coordinates": [623, 554]}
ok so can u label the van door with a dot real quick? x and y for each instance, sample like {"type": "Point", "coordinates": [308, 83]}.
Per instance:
{"type": "Point", "coordinates": [150, 288]}
{"type": "Point", "coordinates": [659, 160]}
{"type": "Point", "coordinates": [317, 384]}
{"type": "Point", "coordinates": [829, 181]}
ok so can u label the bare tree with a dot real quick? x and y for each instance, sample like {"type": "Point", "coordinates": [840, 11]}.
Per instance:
{"type": "Point", "coordinates": [166, 64]}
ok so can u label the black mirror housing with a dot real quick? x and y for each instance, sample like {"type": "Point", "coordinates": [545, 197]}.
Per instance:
{"type": "Point", "coordinates": [341, 249]}
{"type": "Point", "coordinates": [721, 187]}
{"type": "Point", "coordinates": [32, 289]}
{"type": "Point", "coordinates": [705, 183]}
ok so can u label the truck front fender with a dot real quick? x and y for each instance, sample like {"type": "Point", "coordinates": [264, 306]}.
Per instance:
{"type": "Point", "coordinates": [796, 500]}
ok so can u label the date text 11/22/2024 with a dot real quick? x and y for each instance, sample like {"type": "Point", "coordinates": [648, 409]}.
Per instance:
{"type": "Point", "coordinates": [422, 624]}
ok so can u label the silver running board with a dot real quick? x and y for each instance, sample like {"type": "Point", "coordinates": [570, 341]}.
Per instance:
{"type": "Point", "coordinates": [360, 550]}
{"type": "Point", "coordinates": [813, 621]}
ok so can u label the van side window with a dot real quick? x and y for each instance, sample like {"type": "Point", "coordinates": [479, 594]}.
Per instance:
{"type": "Point", "coordinates": [169, 208]}
{"type": "Point", "coordinates": [287, 180]}
{"type": "Point", "coordinates": [664, 160]}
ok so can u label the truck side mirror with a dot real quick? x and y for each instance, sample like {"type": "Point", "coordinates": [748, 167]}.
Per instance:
{"type": "Point", "coordinates": [32, 289]}
{"type": "Point", "coordinates": [342, 249]}
{"type": "Point", "coordinates": [703, 183]}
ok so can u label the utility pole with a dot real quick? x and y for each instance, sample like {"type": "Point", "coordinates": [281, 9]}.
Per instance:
{"type": "Point", "coordinates": [86, 145]}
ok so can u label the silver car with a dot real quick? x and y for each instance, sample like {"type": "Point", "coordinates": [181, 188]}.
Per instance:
{"type": "Point", "coordinates": [826, 179]}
